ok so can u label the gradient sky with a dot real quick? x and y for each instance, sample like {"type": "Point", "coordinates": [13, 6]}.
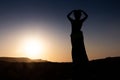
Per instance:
{"type": "Point", "coordinates": [46, 20]}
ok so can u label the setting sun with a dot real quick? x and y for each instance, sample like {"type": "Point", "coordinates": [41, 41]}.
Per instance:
{"type": "Point", "coordinates": [32, 48]}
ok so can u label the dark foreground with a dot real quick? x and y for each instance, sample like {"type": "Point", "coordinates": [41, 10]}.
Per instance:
{"type": "Point", "coordinates": [102, 69]}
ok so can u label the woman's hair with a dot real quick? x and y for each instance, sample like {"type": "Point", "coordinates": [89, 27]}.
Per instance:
{"type": "Point", "coordinates": [77, 14]}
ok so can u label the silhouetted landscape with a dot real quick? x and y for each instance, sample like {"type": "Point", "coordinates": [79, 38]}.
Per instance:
{"type": "Point", "coordinates": [25, 69]}
{"type": "Point", "coordinates": [20, 59]}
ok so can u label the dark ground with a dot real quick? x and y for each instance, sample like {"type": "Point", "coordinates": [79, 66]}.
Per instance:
{"type": "Point", "coordinates": [101, 69]}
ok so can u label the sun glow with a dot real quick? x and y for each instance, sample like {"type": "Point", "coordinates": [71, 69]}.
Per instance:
{"type": "Point", "coordinates": [32, 48]}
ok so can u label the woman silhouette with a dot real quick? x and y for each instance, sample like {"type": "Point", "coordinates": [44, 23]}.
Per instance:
{"type": "Point", "coordinates": [79, 55]}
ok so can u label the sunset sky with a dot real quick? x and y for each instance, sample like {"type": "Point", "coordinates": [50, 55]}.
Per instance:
{"type": "Point", "coordinates": [43, 24]}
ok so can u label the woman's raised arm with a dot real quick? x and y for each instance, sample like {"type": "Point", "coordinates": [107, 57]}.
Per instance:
{"type": "Point", "coordinates": [86, 16]}
{"type": "Point", "coordinates": [68, 16]}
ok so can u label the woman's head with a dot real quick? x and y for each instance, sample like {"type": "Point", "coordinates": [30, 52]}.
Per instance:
{"type": "Point", "coordinates": [77, 14]}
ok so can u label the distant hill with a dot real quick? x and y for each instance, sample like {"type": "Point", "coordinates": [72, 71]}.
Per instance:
{"type": "Point", "coordinates": [23, 69]}
{"type": "Point", "coordinates": [24, 59]}
{"type": "Point", "coordinates": [20, 59]}
{"type": "Point", "coordinates": [107, 60]}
